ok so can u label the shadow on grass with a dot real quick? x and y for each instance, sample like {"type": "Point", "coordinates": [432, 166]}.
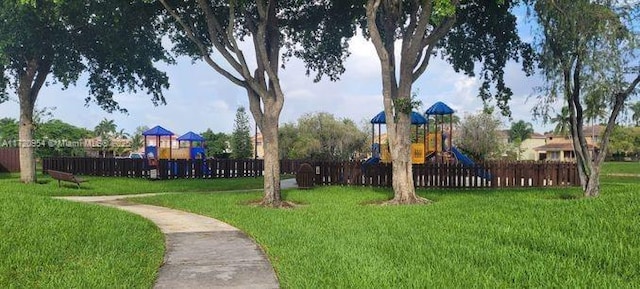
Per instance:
{"type": "Point", "coordinates": [8, 175]}
{"type": "Point", "coordinates": [63, 184]}
{"type": "Point", "coordinates": [569, 196]}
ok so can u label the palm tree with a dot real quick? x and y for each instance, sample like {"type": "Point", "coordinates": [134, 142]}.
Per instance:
{"type": "Point", "coordinates": [122, 134]}
{"type": "Point", "coordinates": [137, 140]}
{"type": "Point", "coordinates": [635, 108]}
{"type": "Point", "coordinates": [105, 129]}
{"type": "Point", "coordinates": [562, 122]}
{"type": "Point", "coordinates": [520, 131]}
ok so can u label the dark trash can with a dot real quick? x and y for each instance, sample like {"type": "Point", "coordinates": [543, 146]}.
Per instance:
{"type": "Point", "coordinates": [305, 176]}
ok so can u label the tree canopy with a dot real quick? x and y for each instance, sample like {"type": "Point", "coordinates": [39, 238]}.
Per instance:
{"type": "Point", "coordinates": [485, 33]}
{"type": "Point", "coordinates": [216, 144]}
{"type": "Point", "coordinates": [62, 139]}
{"type": "Point", "coordinates": [116, 43]}
{"type": "Point", "coordinates": [57, 138]}
{"type": "Point", "coordinates": [323, 137]}
{"type": "Point", "coordinates": [478, 135]}
{"type": "Point", "coordinates": [311, 30]}
{"type": "Point", "coordinates": [406, 34]}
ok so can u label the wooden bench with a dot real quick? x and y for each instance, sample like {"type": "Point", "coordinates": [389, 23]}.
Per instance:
{"type": "Point", "coordinates": [64, 176]}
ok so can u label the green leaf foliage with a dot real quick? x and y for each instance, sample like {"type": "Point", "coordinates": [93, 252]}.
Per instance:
{"type": "Point", "coordinates": [117, 44]}
{"type": "Point", "coordinates": [520, 131]}
{"type": "Point", "coordinates": [317, 33]}
{"type": "Point", "coordinates": [485, 32]}
{"type": "Point", "coordinates": [241, 147]}
{"type": "Point", "coordinates": [314, 31]}
{"type": "Point", "coordinates": [322, 137]}
{"type": "Point", "coordinates": [55, 137]}
{"type": "Point", "coordinates": [61, 138]}
{"type": "Point", "coordinates": [216, 144]}
{"type": "Point", "coordinates": [8, 129]}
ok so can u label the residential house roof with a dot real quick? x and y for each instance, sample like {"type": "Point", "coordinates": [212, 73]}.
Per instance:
{"type": "Point", "coordinates": [559, 146]}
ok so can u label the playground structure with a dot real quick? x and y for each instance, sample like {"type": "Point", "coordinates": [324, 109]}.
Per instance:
{"type": "Point", "coordinates": [435, 146]}
{"type": "Point", "coordinates": [156, 147]}
{"type": "Point", "coordinates": [381, 151]}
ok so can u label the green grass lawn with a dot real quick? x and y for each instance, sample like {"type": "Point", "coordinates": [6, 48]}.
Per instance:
{"type": "Point", "coordinates": [632, 168]}
{"type": "Point", "coordinates": [475, 238]}
{"type": "Point", "coordinates": [98, 186]}
{"type": "Point", "coordinates": [491, 239]}
{"type": "Point", "coordinates": [48, 243]}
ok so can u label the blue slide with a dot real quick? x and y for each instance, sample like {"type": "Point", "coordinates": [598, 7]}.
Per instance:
{"type": "Point", "coordinates": [375, 159]}
{"type": "Point", "coordinates": [372, 161]}
{"type": "Point", "coordinates": [465, 160]}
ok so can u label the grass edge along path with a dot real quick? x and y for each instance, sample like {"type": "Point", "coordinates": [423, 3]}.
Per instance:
{"type": "Point", "coordinates": [49, 243]}
{"type": "Point", "coordinates": [504, 238]}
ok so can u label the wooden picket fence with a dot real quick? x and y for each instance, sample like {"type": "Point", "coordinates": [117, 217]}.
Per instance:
{"type": "Point", "coordinates": [430, 175]}
{"type": "Point", "coordinates": [166, 169]}
{"type": "Point", "coordinates": [443, 175]}
{"type": "Point", "coordinates": [9, 160]}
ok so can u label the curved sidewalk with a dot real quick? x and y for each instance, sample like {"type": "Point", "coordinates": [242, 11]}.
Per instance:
{"type": "Point", "coordinates": [201, 252]}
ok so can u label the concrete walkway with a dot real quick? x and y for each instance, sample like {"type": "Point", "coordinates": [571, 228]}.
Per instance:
{"type": "Point", "coordinates": [202, 252]}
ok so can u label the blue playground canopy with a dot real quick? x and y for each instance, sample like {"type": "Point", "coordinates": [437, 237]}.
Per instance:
{"type": "Point", "coordinates": [157, 131]}
{"type": "Point", "coordinates": [439, 108]}
{"type": "Point", "coordinates": [191, 136]}
{"type": "Point", "coordinates": [416, 118]}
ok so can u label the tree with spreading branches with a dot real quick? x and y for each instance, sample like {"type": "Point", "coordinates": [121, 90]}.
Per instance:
{"type": "Point", "coordinates": [247, 42]}
{"type": "Point", "coordinates": [116, 43]}
{"type": "Point", "coordinates": [406, 34]}
{"type": "Point", "coordinates": [588, 54]}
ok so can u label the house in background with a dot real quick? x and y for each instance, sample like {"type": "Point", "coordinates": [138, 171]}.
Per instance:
{"type": "Point", "coordinates": [528, 146]}
{"type": "Point", "coordinates": [525, 151]}
{"type": "Point", "coordinates": [560, 148]}
{"type": "Point", "coordinates": [257, 145]}
{"type": "Point", "coordinates": [552, 147]}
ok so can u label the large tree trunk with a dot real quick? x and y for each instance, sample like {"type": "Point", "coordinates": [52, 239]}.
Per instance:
{"type": "Point", "coordinates": [27, 94]}
{"type": "Point", "coordinates": [267, 118]}
{"type": "Point", "coordinates": [419, 39]}
{"type": "Point", "coordinates": [592, 184]}
{"type": "Point", "coordinates": [400, 145]}
{"type": "Point", "coordinates": [592, 188]}
{"type": "Point", "coordinates": [26, 142]}
{"type": "Point", "coordinates": [589, 165]}
{"type": "Point", "coordinates": [31, 80]}
{"type": "Point", "coordinates": [269, 130]}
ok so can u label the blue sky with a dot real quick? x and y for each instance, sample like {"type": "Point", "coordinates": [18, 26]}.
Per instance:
{"type": "Point", "coordinates": [199, 98]}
